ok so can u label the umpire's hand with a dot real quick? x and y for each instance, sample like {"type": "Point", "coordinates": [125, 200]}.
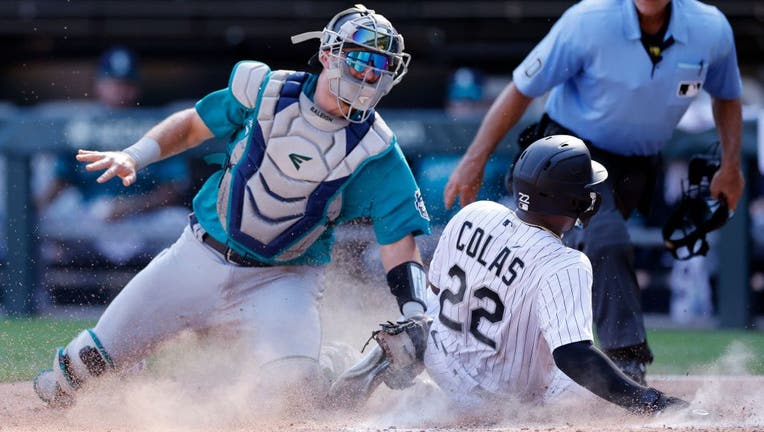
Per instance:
{"type": "Point", "coordinates": [728, 182]}
{"type": "Point", "coordinates": [465, 181]}
{"type": "Point", "coordinates": [116, 163]}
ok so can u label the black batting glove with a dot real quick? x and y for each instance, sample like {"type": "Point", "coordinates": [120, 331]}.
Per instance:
{"type": "Point", "coordinates": [652, 402]}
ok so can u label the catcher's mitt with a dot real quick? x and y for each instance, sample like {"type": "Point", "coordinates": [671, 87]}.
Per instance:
{"type": "Point", "coordinates": [396, 361]}
{"type": "Point", "coordinates": [403, 345]}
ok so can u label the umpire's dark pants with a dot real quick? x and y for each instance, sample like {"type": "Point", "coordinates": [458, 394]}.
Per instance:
{"type": "Point", "coordinates": [615, 291]}
{"type": "Point", "coordinates": [616, 298]}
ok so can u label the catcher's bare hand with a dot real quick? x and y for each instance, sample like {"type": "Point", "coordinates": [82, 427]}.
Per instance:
{"type": "Point", "coordinates": [115, 163]}
{"type": "Point", "coordinates": [465, 182]}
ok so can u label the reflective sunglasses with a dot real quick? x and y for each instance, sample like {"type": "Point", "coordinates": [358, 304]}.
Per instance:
{"type": "Point", "coordinates": [359, 60]}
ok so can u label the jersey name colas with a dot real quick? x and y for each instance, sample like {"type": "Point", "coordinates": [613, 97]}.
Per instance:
{"type": "Point", "coordinates": [475, 242]}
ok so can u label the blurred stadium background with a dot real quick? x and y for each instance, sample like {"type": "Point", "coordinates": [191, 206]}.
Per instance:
{"type": "Point", "coordinates": [187, 48]}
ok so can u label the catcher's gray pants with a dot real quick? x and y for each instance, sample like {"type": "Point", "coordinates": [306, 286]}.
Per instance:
{"type": "Point", "coordinates": [190, 286]}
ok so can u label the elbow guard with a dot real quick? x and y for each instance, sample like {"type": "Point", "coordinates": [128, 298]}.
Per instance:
{"type": "Point", "coordinates": [408, 282]}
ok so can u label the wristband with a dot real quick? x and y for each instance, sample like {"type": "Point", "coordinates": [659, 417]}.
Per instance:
{"type": "Point", "coordinates": [144, 152]}
{"type": "Point", "coordinates": [408, 282]}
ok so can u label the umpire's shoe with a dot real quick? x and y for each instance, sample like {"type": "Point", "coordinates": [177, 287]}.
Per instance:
{"type": "Point", "coordinates": [49, 390]}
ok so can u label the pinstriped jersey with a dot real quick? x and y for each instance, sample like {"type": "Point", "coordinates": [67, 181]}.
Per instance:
{"type": "Point", "coordinates": [504, 295]}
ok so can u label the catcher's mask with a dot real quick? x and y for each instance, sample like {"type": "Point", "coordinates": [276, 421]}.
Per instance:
{"type": "Point", "coordinates": [365, 58]}
{"type": "Point", "coordinates": [697, 213]}
{"type": "Point", "coordinates": [556, 175]}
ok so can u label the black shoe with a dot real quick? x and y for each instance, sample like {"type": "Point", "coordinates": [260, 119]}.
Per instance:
{"type": "Point", "coordinates": [633, 369]}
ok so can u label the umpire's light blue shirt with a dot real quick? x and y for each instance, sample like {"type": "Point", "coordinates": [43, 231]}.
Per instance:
{"type": "Point", "coordinates": [601, 80]}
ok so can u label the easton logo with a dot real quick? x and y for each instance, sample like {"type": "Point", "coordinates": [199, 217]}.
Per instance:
{"type": "Point", "coordinates": [297, 160]}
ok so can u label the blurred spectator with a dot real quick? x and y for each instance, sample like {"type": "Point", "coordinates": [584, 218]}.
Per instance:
{"type": "Point", "coordinates": [3, 213]}
{"type": "Point", "coordinates": [6, 111]}
{"type": "Point", "coordinates": [465, 96]}
{"type": "Point", "coordinates": [117, 81]}
{"type": "Point", "coordinates": [84, 221]}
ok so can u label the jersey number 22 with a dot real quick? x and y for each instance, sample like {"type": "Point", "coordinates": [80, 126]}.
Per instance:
{"type": "Point", "coordinates": [476, 314]}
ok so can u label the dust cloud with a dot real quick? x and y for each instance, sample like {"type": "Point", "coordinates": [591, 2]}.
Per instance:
{"type": "Point", "coordinates": [209, 382]}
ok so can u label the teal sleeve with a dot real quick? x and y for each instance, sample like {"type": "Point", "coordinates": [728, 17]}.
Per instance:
{"type": "Point", "coordinates": [385, 191]}
{"type": "Point", "coordinates": [222, 113]}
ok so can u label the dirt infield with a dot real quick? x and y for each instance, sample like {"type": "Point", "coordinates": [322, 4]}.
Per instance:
{"type": "Point", "coordinates": [734, 404]}
{"type": "Point", "coordinates": [193, 386]}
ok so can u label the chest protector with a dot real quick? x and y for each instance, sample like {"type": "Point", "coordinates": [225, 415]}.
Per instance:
{"type": "Point", "coordinates": [282, 185]}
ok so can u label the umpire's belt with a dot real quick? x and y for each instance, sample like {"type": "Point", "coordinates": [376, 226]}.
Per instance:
{"type": "Point", "coordinates": [229, 254]}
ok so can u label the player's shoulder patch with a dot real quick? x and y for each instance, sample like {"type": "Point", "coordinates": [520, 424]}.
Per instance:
{"type": "Point", "coordinates": [247, 80]}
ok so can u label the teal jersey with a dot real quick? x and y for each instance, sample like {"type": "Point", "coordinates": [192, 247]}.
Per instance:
{"type": "Point", "coordinates": [382, 189]}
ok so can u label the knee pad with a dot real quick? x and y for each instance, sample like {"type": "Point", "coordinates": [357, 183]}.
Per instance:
{"type": "Point", "coordinates": [83, 358]}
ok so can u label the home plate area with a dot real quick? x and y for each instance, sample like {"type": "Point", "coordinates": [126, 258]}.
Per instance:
{"type": "Point", "coordinates": [720, 403]}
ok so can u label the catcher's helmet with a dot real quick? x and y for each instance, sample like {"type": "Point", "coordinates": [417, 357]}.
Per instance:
{"type": "Point", "coordinates": [361, 39]}
{"type": "Point", "coordinates": [555, 175]}
{"type": "Point", "coordinates": [697, 213]}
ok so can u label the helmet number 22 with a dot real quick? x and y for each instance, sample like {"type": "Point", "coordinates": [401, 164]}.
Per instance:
{"type": "Point", "coordinates": [476, 314]}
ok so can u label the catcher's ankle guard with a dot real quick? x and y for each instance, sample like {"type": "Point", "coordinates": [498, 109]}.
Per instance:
{"type": "Point", "coordinates": [81, 360]}
{"type": "Point", "coordinates": [408, 282]}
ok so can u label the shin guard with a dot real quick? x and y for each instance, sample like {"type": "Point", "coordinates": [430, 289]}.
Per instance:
{"type": "Point", "coordinates": [83, 358]}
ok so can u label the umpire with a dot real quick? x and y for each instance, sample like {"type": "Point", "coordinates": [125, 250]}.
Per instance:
{"type": "Point", "coordinates": [621, 74]}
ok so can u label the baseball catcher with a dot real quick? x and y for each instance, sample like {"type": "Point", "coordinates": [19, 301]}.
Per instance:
{"type": "Point", "coordinates": [305, 152]}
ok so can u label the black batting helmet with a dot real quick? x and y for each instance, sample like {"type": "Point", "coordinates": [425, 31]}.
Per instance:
{"type": "Point", "coordinates": [555, 175]}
